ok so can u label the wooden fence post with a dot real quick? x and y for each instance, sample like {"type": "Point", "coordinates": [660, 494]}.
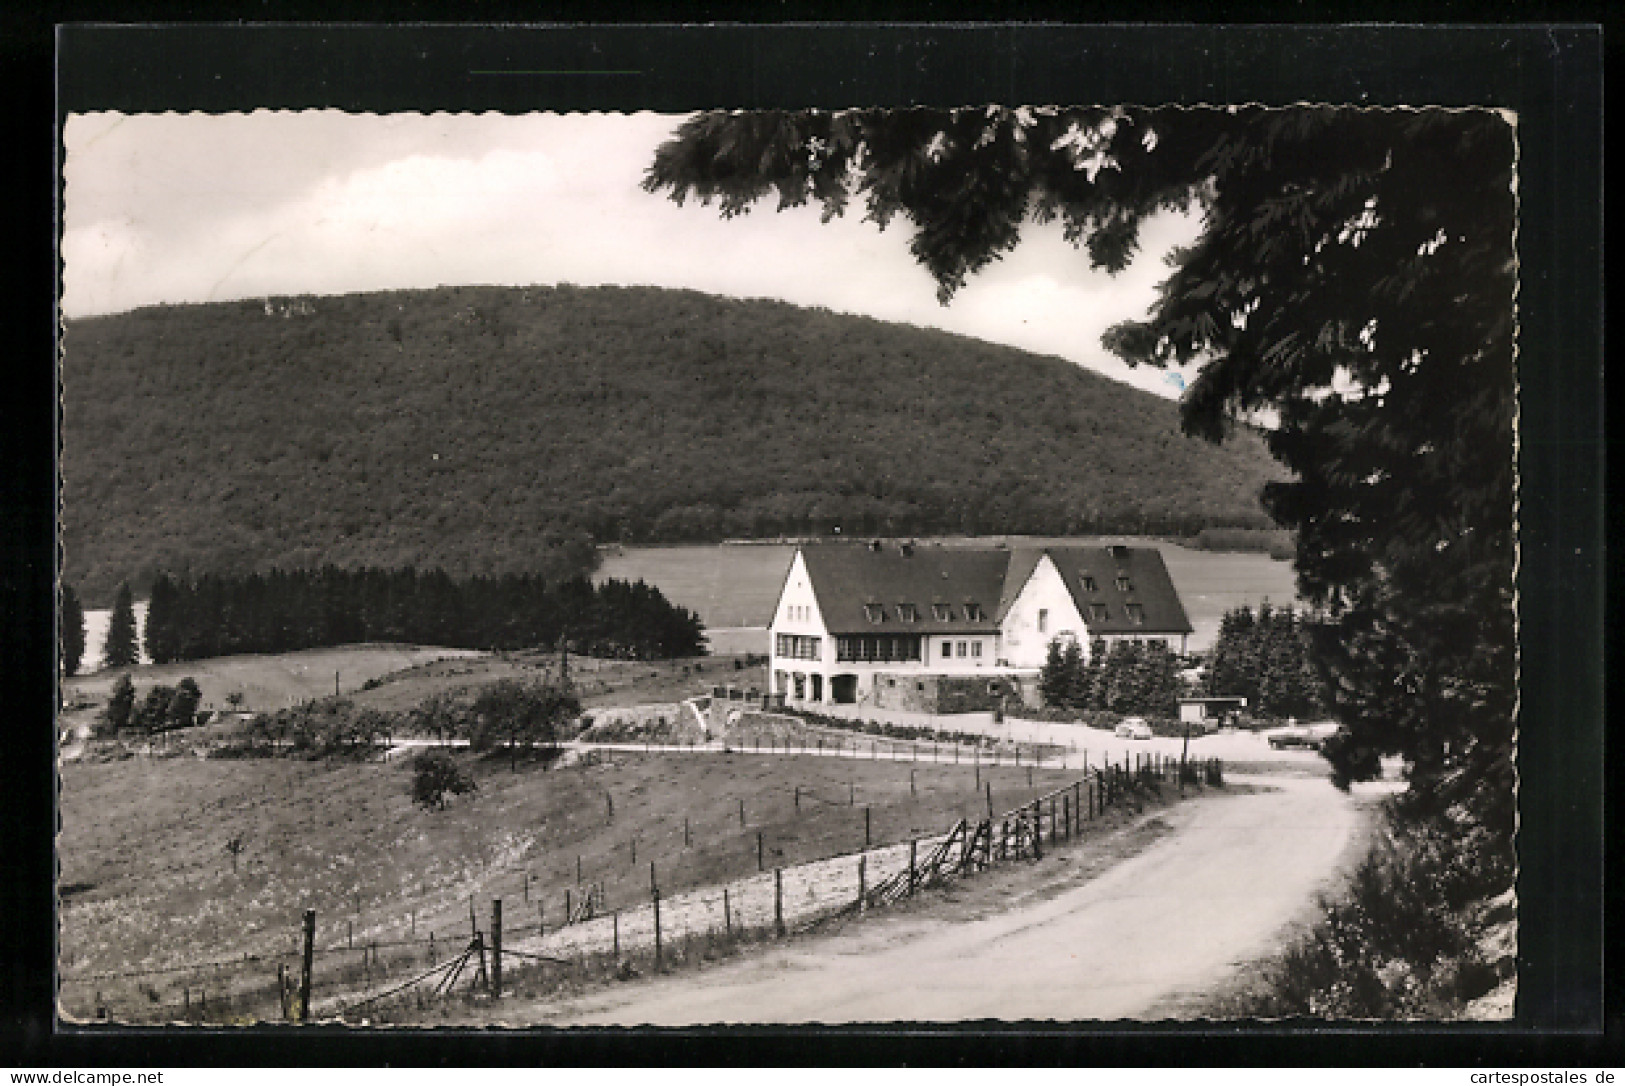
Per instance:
{"type": "Point", "coordinates": [1066, 815]}
{"type": "Point", "coordinates": [1038, 830]}
{"type": "Point", "coordinates": [496, 948]}
{"type": "Point", "coordinates": [306, 962]}
{"type": "Point", "coordinates": [615, 927]}
{"type": "Point", "coordinates": [990, 800]}
{"type": "Point", "coordinates": [569, 908]}
{"type": "Point", "coordinates": [866, 837]}
{"type": "Point", "coordinates": [778, 902]}
{"type": "Point", "coordinates": [483, 977]}
{"type": "Point", "coordinates": [759, 866]}
{"type": "Point", "coordinates": [863, 866]}
{"type": "Point", "coordinates": [658, 949]}
{"type": "Point", "coordinates": [912, 846]}
{"type": "Point", "coordinates": [727, 914]}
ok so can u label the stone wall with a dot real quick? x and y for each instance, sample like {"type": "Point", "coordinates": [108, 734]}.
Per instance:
{"type": "Point", "coordinates": [946, 694]}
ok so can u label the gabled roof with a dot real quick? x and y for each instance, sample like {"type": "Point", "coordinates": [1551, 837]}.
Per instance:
{"type": "Point", "coordinates": [1091, 576]}
{"type": "Point", "coordinates": [847, 576]}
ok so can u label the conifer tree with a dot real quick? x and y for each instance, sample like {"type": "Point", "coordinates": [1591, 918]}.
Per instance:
{"type": "Point", "coordinates": [120, 650]}
{"type": "Point", "coordinates": [71, 631]}
{"type": "Point", "coordinates": [120, 706]}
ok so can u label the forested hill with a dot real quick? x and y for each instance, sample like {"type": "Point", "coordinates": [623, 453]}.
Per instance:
{"type": "Point", "coordinates": [478, 429]}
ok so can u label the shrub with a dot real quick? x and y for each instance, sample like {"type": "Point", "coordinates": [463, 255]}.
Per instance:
{"type": "Point", "coordinates": [435, 776]}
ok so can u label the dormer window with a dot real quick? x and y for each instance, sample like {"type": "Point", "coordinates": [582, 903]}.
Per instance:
{"type": "Point", "coordinates": [1136, 613]}
{"type": "Point", "coordinates": [973, 612]}
{"type": "Point", "coordinates": [906, 612]}
{"type": "Point", "coordinates": [1124, 584]}
{"type": "Point", "coordinates": [874, 612]}
{"type": "Point", "coordinates": [1097, 612]}
{"type": "Point", "coordinates": [1089, 584]}
{"type": "Point", "coordinates": [942, 612]}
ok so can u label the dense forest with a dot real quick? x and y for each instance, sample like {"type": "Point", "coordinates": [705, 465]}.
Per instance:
{"type": "Point", "coordinates": [486, 430]}
{"type": "Point", "coordinates": [284, 611]}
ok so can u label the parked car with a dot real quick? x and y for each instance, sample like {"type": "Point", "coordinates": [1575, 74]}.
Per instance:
{"type": "Point", "coordinates": [1305, 736]}
{"type": "Point", "coordinates": [1133, 727]}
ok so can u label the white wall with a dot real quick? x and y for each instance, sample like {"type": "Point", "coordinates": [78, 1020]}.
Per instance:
{"type": "Point", "coordinates": [797, 613]}
{"type": "Point", "coordinates": [1022, 643]}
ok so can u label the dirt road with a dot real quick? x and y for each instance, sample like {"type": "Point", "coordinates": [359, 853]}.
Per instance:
{"type": "Point", "coordinates": [1217, 890]}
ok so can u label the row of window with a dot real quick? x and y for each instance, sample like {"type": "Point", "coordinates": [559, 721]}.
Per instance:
{"type": "Point", "coordinates": [972, 649]}
{"type": "Point", "coordinates": [800, 647]}
{"type": "Point", "coordinates": [1098, 612]}
{"type": "Point", "coordinates": [1091, 585]}
{"type": "Point", "coordinates": [798, 614]}
{"type": "Point", "coordinates": [884, 648]}
{"type": "Point", "coordinates": [942, 612]}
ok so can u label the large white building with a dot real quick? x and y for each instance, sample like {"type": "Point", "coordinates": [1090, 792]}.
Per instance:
{"type": "Point", "coordinates": [950, 629]}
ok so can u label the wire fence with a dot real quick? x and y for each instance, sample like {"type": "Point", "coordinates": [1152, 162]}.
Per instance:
{"type": "Point", "coordinates": [338, 976]}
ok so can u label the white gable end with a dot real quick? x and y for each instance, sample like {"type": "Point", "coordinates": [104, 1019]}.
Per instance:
{"type": "Point", "coordinates": [797, 610]}
{"type": "Point", "coordinates": [1042, 611]}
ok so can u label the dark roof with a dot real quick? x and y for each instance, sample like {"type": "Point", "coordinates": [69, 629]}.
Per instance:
{"type": "Point", "coordinates": [1150, 587]}
{"type": "Point", "coordinates": [847, 576]}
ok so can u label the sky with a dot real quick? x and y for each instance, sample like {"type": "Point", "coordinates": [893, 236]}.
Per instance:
{"type": "Point", "coordinates": [202, 207]}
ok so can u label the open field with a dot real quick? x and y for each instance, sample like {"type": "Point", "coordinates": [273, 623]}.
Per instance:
{"type": "Point", "coordinates": [404, 675]}
{"type": "Point", "coordinates": [734, 586]}
{"type": "Point", "coordinates": [147, 883]}
{"type": "Point", "coordinates": [272, 681]}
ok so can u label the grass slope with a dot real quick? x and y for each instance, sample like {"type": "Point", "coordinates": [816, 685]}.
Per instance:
{"type": "Point", "coordinates": [147, 884]}
{"type": "Point", "coordinates": [456, 427]}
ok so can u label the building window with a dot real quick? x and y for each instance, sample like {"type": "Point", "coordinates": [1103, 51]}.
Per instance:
{"type": "Point", "coordinates": [874, 612]}
{"type": "Point", "coordinates": [1097, 612]}
{"type": "Point", "coordinates": [947, 650]}
{"type": "Point", "coordinates": [942, 612]}
{"type": "Point", "coordinates": [976, 648]}
{"type": "Point", "coordinates": [1043, 621]}
{"type": "Point", "coordinates": [973, 612]}
{"type": "Point", "coordinates": [1089, 584]}
{"type": "Point", "coordinates": [964, 650]}
{"type": "Point", "coordinates": [884, 649]}
{"type": "Point", "coordinates": [1136, 613]}
{"type": "Point", "coordinates": [1125, 585]}
{"type": "Point", "coordinates": [799, 647]}
{"type": "Point", "coordinates": [907, 613]}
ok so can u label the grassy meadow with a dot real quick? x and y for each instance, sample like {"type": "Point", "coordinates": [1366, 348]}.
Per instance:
{"type": "Point", "coordinates": [147, 881]}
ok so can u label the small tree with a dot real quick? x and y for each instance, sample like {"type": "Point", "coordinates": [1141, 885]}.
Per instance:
{"type": "Point", "coordinates": [183, 704]}
{"type": "Point", "coordinates": [153, 714]}
{"type": "Point", "coordinates": [435, 776]}
{"type": "Point", "coordinates": [1053, 681]}
{"type": "Point", "coordinates": [120, 705]}
{"type": "Point", "coordinates": [120, 649]}
{"type": "Point", "coordinates": [72, 633]}
{"type": "Point", "coordinates": [523, 715]}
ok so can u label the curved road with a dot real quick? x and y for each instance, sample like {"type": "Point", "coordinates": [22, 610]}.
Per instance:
{"type": "Point", "coordinates": [1172, 920]}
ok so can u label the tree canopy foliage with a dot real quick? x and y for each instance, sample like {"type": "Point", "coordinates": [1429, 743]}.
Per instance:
{"type": "Point", "coordinates": [1354, 278]}
{"type": "Point", "coordinates": [301, 609]}
{"type": "Point", "coordinates": [490, 430]}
